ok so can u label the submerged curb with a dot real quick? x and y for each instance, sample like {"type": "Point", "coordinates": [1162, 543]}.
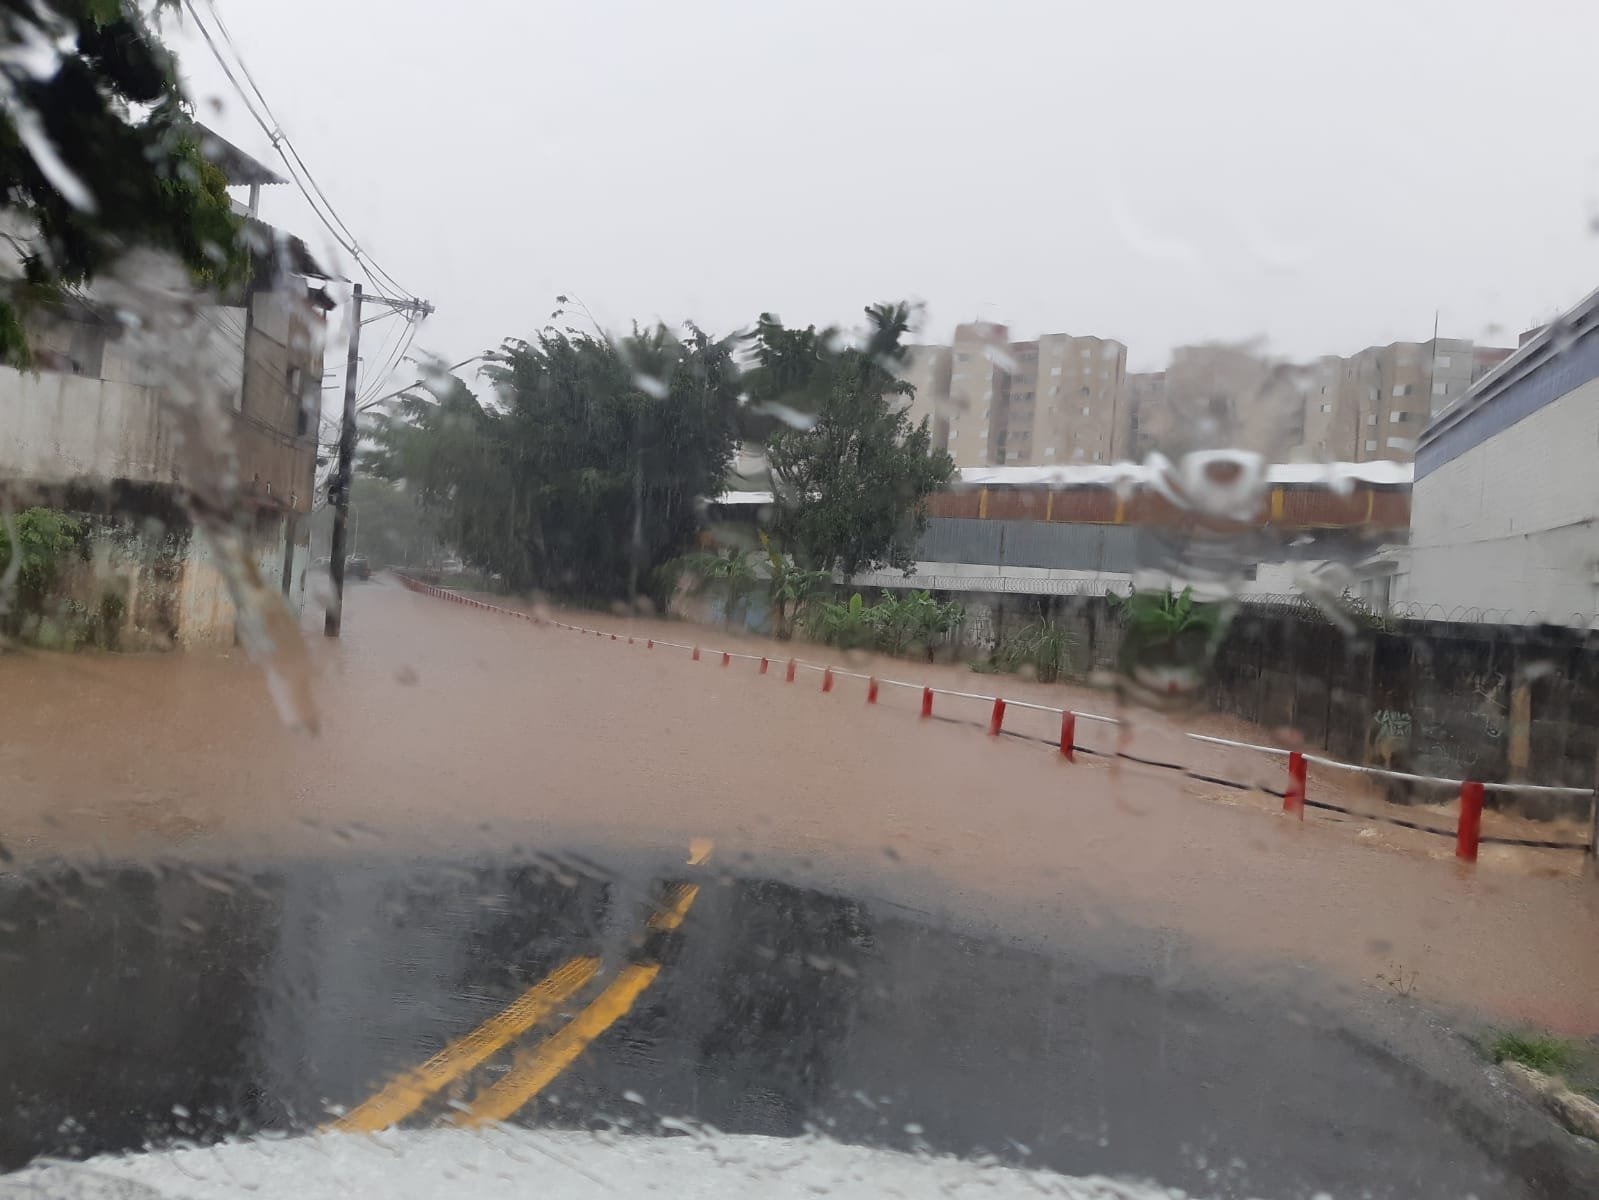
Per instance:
{"type": "Point", "coordinates": [1575, 1111]}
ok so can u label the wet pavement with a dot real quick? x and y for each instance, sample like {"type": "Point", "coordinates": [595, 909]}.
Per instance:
{"type": "Point", "coordinates": [186, 1002]}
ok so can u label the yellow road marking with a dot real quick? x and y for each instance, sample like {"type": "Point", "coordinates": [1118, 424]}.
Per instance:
{"type": "Point", "coordinates": [674, 907]}
{"type": "Point", "coordinates": [406, 1092]}
{"type": "Point", "coordinates": [533, 1069]}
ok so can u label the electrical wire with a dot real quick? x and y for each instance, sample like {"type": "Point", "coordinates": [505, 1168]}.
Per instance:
{"type": "Point", "coordinates": [286, 150]}
{"type": "Point", "coordinates": [402, 343]}
{"type": "Point", "coordinates": [378, 381]}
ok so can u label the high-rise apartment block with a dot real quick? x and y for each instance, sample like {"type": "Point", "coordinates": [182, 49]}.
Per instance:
{"type": "Point", "coordinates": [1062, 400]}
{"type": "Point", "coordinates": [1369, 405]}
{"type": "Point", "coordinates": [992, 401]}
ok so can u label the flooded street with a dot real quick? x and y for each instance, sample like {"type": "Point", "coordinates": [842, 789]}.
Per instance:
{"type": "Point", "coordinates": [894, 932]}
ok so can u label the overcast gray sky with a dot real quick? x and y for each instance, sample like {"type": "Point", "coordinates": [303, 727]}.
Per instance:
{"type": "Point", "coordinates": [1320, 176]}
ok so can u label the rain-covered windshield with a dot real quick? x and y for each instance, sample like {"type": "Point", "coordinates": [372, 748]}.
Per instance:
{"type": "Point", "coordinates": [723, 599]}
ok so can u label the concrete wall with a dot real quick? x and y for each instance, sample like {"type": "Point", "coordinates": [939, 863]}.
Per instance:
{"type": "Point", "coordinates": [1513, 523]}
{"type": "Point", "coordinates": [57, 428]}
{"type": "Point", "coordinates": [144, 584]}
{"type": "Point", "coordinates": [206, 612]}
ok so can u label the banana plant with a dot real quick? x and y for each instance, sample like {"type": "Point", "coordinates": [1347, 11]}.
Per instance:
{"type": "Point", "coordinates": [790, 587]}
{"type": "Point", "coordinates": [1168, 639]}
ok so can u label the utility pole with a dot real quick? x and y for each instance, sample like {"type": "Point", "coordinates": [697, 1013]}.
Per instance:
{"type": "Point", "coordinates": [345, 470]}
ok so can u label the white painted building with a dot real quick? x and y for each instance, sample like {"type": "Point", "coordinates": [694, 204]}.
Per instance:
{"type": "Point", "coordinates": [1505, 507]}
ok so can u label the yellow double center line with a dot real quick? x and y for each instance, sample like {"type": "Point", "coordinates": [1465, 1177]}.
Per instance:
{"type": "Point", "coordinates": [533, 1068]}
{"type": "Point", "coordinates": [407, 1092]}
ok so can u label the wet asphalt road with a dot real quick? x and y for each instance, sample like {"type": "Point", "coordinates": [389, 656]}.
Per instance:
{"type": "Point", "coordinates": [182, 1002]}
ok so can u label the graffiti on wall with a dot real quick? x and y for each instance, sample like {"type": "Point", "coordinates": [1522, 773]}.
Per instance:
{"type": "Point", "coordinates": [1491, 709]}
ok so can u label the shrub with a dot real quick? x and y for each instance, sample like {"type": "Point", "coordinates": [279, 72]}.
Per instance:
{"type": "Point", "coordinates": [1044, 646]}
{"type": "Point", "coordinates": [33, 544]}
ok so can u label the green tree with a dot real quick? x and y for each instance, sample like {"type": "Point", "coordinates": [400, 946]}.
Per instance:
{"type": "Point", "coordinates": [33, 545]}
{"type": "Point", "coordinates": [97, 155]}
{"type": "Point", "coordinates": [851, 485]}
{"type": "Point", "coordinates": [587, 473]}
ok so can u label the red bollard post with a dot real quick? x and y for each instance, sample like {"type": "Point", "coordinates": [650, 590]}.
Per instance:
{"type": "Point", "coordinates": [630, 641]}
{"type": "Point", "coordinates": [927, 701]}
{"type": "Point", "coordinates": [764, 665]}
{"type": "Point", "coordinates": [1068, 735]}
{"type": "Point", "coordinates": [997, 719]}
{"type": "Point", "coordinates": [726, 658]}
{"type": "Point", "coordinates": [649, 644]}
{"type": "Point", "coordinates": [827, 679]}
{"type": "Point", "coordinates": [1469, 831]}
{"type": "Point", "coordinates": [613, 637]}
{"type": "Point", "coordinates": [789, 677]}
{"type": "Point", "coordinates": [871, 690]}
{"type": "Point", "coordinates": [696, 654]}
{"type": "Point", "coordinates": [1294, 797]}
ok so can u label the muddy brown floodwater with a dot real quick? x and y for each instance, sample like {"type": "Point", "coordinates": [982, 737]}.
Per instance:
{"type": "Point", "coordinates": [447, 728]}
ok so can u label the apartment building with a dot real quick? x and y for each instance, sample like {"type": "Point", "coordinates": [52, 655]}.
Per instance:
{"type": "Point", "coordinates": [1059, 399]}
{"type": "Point", "coordinates": [1067, 400]}
{"type": "Point", "coordinates": [1374, 403]}
{"type": "Point", "coordinates": [926, 368]}
{"type": "Point", "coordinates": [1217, 396]}
{"type": "Point", "coordinates": [1364, 407]}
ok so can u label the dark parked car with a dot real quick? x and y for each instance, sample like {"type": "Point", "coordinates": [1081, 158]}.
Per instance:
{"type": "Point", "coordinates": [356, 567]}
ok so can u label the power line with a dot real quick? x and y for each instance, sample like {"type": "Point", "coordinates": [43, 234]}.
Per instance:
{"type": "Point", "coordinates": [286, 150]}
{"type": "Point", "coordinates": [408, 335]}
{"type": "Point", "coordinates": [405, 348]}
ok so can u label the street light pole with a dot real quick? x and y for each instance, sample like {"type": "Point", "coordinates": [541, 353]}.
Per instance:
{"type": "Point", "coordinates": [416, 309]}
{"type": "Point", "coordinates": [342, 473]}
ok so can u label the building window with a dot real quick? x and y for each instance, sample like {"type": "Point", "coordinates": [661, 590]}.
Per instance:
{"type": "Point", "coordinates": [1054, 370]}
{"type": "Point", "coordinates": [1443, 360]}
{"type": "Point", "coordinates": [1398, 418]}
{"type": "Point", "coordinates": [1440, 387]}
{"type": "Point", "coordinates": [1049, 452]}
{"type": "Point", "coordinates": [1404, 389]}
{"type": "Point", "coordinates": [1326, 407]}
{"type": "Point", "coordinates": [1370, 445]}
{"type": "Point", "coordinates": [1098, 457]}
{"type": "Point", "coordinates": [1085, 410]}
{"type": "Point", "coordinates": [953, 434]}
{"type": "Point", "coordinates": [1371, 418]}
